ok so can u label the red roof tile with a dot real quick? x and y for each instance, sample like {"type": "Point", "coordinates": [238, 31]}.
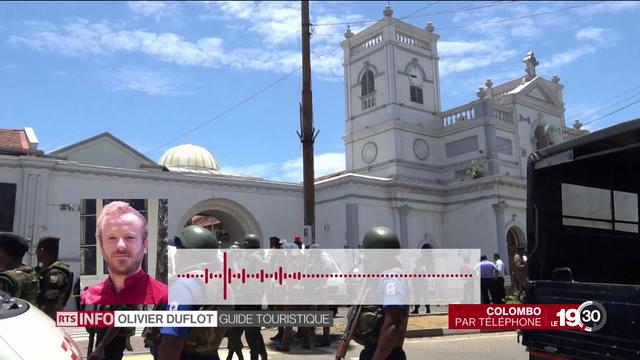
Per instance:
{"type": "Point", "coordinates": [14, 139]}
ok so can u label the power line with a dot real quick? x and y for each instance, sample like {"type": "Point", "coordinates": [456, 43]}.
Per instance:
{"type": "Point", "coordinates": [628, 98]}
{"type": "Point", "coordinates": [520, 17]}
{"type": "Point", "coordinates": [435, 13]}
{"type": "Point", "coordinates": [463, 9]}
{"type": "Point", "coordinates": [449, 11]}
{"type": "Point", "coordinates": [422, 8]}
{"type": "Point", "coordinates": [577, 115]}
{"type": "Point", "coordinates": [235, 106]}
{"type": "Point", "coordinates": [613, 112]}
{"type": "Point", "coordinates": [328, 68]}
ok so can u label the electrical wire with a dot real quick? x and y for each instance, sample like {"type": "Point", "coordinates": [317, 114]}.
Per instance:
{"type": "Point", "coordinates": [625, 100]}
{"type": "Point", "coordinates": [422, 8]}
{"type": "Point", "coordinates": [449, 11]}
{"type": "Point", "coordinates": [233, 107]}
{"type": "Point", "coordinates": [577, 115]}
{"type": "Point", "coordinates": [519, 17]}
{"type": "Point", "coordinates": [436, 13]}
{"type": "Point", "coordinates": [612, 112]}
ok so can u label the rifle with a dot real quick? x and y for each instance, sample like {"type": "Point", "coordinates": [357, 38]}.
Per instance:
{"type": "Point", "coordinates": [102, 345]}
{"type": "Point", "coordinates": [92, 338]}
{"type": "Point", "coordinates": [352, 320]}
{"type": "Point", "coordinates": [343, 343]}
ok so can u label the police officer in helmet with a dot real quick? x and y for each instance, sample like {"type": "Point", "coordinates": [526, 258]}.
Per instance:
{"type": "Point", "coordinates": [385, 337]}
{"type": "Point", "coordinates": [181, 343]}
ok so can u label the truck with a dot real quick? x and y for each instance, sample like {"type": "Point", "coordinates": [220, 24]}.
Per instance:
{"type": "Point", "coordinates": [583, 241]}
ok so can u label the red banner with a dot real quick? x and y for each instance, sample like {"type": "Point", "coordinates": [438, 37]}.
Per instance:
{"type": "Point", "coordinates": [84, 318]}
{"type": "Point", "coordinates": [515, 316]}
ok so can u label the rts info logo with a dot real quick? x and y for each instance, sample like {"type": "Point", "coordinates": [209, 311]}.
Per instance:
{"type": "Point", "coordinates": [84, 318]}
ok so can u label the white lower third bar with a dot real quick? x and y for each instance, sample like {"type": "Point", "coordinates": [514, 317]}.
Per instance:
{"type": "Point", "coordinates": [166, 318]}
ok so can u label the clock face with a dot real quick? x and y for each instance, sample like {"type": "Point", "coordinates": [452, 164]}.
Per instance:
{"type": "Point", "coordinates": [369, 152]}
{"type": "Point", "coordinates": [415, 76]}
{"type": "Point", "coordinates": [421, 149]}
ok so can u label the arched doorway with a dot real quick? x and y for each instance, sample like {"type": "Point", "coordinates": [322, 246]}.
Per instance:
{"type": "Point", "coordinates": [228, 219]}
{"type": "Point", "coordinates": [515, 239]}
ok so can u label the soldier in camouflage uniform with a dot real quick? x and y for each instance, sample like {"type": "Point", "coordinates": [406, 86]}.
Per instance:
{"type": "Point", "coordinates": [55, 276]}
{"type": "Point", "coordinates": [16, 279]}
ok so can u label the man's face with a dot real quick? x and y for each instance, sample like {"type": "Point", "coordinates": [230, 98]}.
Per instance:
{"type": "Point", "coordinates": [122, 243]}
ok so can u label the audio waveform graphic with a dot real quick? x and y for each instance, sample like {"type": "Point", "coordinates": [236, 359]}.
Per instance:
{"type": "Point", "coordinates": [227, 276]}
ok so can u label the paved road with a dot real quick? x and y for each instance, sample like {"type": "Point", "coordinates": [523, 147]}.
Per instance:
{"type": "Point", "coordinates": [490, 346]}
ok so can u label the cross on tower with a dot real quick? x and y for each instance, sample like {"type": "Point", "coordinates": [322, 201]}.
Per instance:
{"type": "Point", "coordinates": [531, 63]}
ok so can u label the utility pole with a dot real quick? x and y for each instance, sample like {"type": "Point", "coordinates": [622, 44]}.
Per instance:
{"type": "Point", "coordinates": [307, 132]}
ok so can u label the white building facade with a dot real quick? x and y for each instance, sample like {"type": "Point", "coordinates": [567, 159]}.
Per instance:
{"type": "Point", "coordinates": [441, 178]}
{"type": "Point", "coordinates": [451, 178]}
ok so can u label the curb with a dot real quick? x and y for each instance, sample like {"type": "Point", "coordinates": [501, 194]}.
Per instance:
{"type": "Point", "coordinates": [434, 332]}
{"type": "Point", "coordinates": [418, 333]}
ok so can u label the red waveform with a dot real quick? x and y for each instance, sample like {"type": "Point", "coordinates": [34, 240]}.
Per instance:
{"type": "Point", "coordinates": [279, 275]}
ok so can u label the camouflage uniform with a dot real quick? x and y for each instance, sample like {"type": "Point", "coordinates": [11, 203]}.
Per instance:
{"type": "Point", "coordinates": [20, 282]}
{"type": "Point", "coordinates": [17, 279]}
{"type": "Point", "coordinates": [56, 283]}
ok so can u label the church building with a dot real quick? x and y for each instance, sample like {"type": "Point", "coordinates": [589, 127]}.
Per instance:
{"type": "Point", "coordinates": [443, 178]}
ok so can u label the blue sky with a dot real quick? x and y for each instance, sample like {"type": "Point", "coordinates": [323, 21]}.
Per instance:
{"type": "Point", "coordinates": [150, 72]}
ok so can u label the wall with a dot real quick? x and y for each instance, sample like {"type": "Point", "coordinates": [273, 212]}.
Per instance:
{"type": "Point", "coordinates": [276, 212]}
{"type": "Point", "coordinates": [105, 152]}
{"type": "Point", "coordinates": [425, 227]}
{"type": "Point", "coordinates": [471, 225]}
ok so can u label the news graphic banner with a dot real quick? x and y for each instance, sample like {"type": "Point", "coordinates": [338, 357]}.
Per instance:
{"type": "Point", "coordinates": [202, 318]}
{"type": "Point", "coordinates": [589, 316]}
{"type": "Point", "coordinates": [323, 277]}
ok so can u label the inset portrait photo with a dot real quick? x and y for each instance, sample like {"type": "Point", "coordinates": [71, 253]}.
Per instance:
{"type": "Point", "coordinates": [123, 252]}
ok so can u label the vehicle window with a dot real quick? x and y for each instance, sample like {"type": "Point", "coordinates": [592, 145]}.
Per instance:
{"type": "Point", "coordinates": [599, 208]}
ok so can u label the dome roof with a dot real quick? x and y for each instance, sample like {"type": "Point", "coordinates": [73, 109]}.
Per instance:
{"type": "Point", "coordinates": [189, 156]}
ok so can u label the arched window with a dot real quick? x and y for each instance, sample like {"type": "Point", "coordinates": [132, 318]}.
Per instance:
{"type": "Point", "coordinates": [542, 141]}
{"type": "Point", "coordinates": [366, 83]}
{"type": "Point", "coordinates": [368, 90]}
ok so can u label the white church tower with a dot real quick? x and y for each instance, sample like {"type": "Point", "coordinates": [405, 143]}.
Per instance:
{"type": "Point", "coordinates": [447, 178]}
{"type": "Point", "coordinates": [392, 92]}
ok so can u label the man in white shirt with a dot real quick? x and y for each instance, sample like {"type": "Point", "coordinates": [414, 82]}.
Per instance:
{"type": "Point", "coordinates": [499, 294]}
{"type": "Point", "coordinates": [486, 269]}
